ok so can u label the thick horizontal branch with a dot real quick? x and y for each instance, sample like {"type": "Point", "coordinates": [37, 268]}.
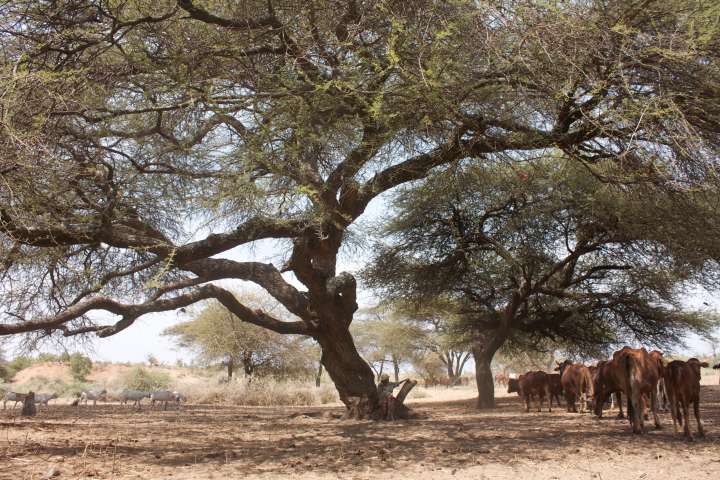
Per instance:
{"type": "Point", "coordinates": [246, 23]}
{"type": "Point", "coordinates": [257, 228]}
{"type": "Point", "coordinates": [131, 312]}
{"type": "Point", "coordinates": [262, 274]}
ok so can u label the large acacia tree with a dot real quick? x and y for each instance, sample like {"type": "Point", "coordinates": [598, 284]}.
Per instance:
{"type": "Point", "coordinates": [543, 255]}
{"type": "Point", "coordinates": [141, 141]}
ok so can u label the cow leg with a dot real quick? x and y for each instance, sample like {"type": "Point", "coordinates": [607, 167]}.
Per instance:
{"type": "Point", "coordinates": [549, 395]}
{"type": "Point", "coordinates": [654, 406]}
{"type": "Point", "coordinates": [674, 411]}
{"type": "Point", "coordinates": [618, 396]}
{"type": "Point", "coordinates": [696, 409]}
{"type": "Point", "coordinates": [527, 403]}
{"type": "Point", "coordinates": [686, 425]}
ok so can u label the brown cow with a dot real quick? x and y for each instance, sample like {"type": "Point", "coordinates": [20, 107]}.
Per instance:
{"type": "Point", "coordinates": [576, 383]}
{"type": "Point", "coordinates": [529, 385]}
{"type": "Point", "coordinates": [605, 384]}
{"type": "Point", "coordinates": [556, 389]}
{"type": "Point", "coordinates": [501, 379]}
{"type": "Point", "coordinates": [717, 367]}
{"type": "Point", "coordinates": [639, 373]}
{"type": "Point", "coordinates": [682, 380]}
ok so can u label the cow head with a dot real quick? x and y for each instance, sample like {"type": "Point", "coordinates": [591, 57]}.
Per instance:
{"type": "Point", "coordinates": [562, 366]}
{"type": "Point", "coordinates": [513, 385]}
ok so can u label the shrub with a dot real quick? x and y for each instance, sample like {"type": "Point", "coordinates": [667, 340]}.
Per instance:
{"type": "Point", "coordinates": [140, 378]}
{"type": "Point", "coordinates": [80, 366]}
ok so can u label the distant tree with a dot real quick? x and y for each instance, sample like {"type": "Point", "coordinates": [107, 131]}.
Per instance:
{"type": "Point", "coordinates": [217, 335]}
{"type": "Point", "coordinates": [142, 379]}
{"type": "Point", "coordinates": [152, 360]}
{"type": "Point", "coordinates": [387, 336]}
{"type": "Point", "coordinates": [445, 333]}
{"type": "Point", "coordinates": [80, 366]}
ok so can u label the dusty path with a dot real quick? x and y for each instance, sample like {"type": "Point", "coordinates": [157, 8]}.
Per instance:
{"type": "Point", "coordinates": [453, 441]}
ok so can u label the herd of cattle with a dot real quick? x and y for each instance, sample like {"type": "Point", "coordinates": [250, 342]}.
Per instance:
{"type": "Point", "coordinates": [643, 377]}
{"type": "Point", "coordinates": [163, 397]}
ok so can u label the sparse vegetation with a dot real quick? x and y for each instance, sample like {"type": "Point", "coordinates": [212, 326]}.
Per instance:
{"type": "Point", "coordinates": [80, 366]}
{"type": "Point", "coordinates": [140, 378]}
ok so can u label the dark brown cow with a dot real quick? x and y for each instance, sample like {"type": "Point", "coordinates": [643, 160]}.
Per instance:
{"type": "Point", "coordinates": [682, 380]}
{"type": "Point", "coordinates": [604, 385]}
{"type": "Point", "coordinates": [529, 385]}
{"type": "Point", "coordinates": [638, 373]}
{"type": "Point", "coordinates": [717, 367]}
{"type": "Point", "coordinates": [556, 389]}
{"type": "Point", "coordinates": [576, 383]}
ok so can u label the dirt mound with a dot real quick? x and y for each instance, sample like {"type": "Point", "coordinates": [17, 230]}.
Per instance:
{"type": "Point", "coordinates": [48, 370]}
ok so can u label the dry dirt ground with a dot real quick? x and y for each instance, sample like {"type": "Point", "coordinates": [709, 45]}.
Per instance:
{"type": "Point", "coordinates": [451, 440]}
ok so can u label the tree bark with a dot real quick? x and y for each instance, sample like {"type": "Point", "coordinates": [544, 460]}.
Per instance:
{"type": "Point", "coordinates": [230, 368]}
{"type": "Point", "coordinates": [450, 364]}
{"type": "Point", "coordinates": [484, 379]}
{"type": "Point", "coordinates": [351, 375]}
{"type": "Point", "coordinates": [318, 376]}
{"type": "Point", "coordinates": [396, 367]}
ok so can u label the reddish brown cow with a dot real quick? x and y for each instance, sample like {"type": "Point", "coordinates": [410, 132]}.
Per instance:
{"type": "Point", "coordinates": [529, 385]}
{"type": "Point", "coordinates": [638, 373]}
{"type": "Point", "coordinates": [682, 380]}
{"type": "Point", "coordinates": [576, 383]}
{"type": "Point", "coordinates": [501, 379]}
{"type": "Point", "coordinates": [556, 389]}
{"type": "Point", "coordinates": [605, 384]}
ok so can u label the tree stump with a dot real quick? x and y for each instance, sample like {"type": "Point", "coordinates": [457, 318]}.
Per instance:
{"type": "Point", "coordinates": [29, 409]}
{"type": "Point", "coordinates": [400, 411]}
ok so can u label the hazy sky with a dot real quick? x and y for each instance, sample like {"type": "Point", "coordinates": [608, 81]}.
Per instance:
{"type": "Point", "coordinates": [144, 337]}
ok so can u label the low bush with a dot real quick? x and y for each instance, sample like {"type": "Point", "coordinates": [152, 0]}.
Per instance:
{"type": "Point", "coordinates": [143, 379]}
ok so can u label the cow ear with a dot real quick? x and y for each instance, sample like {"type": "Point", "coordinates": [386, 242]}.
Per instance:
{"type": "Point", "coordinates": [705, 364]}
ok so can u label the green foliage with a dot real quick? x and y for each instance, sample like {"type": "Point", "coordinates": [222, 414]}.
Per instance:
{"type": "Point", "coordinates": [544, 252]}
{"type": "Point", "coordinates": [80, 366]}
{"type": "Point", "coordinates": [142, 379]}
{"type": "Point", "coordinates": [218, 336]}
{"type": "Point", "coordinates": [16, 364]}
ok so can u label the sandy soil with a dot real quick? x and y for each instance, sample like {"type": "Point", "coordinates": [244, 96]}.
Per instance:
{"type": "Point", "coordinates": [451, 440]}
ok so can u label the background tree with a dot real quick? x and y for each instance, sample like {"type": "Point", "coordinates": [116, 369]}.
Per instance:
{"type": "Point", "coordinates": [126, 125]}
{"type": "Point", "coordinates": [543, 252]}
{"type": "Point", "coordinates": [217, 335]}
{"type": "Point", "coordinates": [445, 334]}
{"type": "Point", "coordinates": [80, 366]}
{"type": "Point", "coordinates": [388, 337]}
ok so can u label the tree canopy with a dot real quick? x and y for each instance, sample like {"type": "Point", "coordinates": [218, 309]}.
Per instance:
{"type": "Point", "coordinates": [141, 141]}
{"type": "Point", "coordinates": [541, 253]}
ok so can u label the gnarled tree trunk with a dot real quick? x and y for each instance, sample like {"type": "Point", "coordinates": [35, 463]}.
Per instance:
{"type": "Point", "coordinates": [351, 375]}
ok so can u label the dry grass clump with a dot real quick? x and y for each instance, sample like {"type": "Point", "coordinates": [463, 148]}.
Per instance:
{"type": "Point", "coordinates": [262, 392]}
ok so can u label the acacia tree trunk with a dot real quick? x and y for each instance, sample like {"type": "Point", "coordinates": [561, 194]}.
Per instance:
{"type": "Point", "coordinates": [351, 375]}
{"type": "Point", "coordinates": [318, 376]}
{"type": "Point", "coordinates": [230, 368]}
{"type": "Point", "coordinates": [484, 346]}
{"type": "Point", "coordinates": [484, 379]}
{"type": "Point", "coordinates": [396, 367]}
{"type": "Point", "coordinates": [450, 364]}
